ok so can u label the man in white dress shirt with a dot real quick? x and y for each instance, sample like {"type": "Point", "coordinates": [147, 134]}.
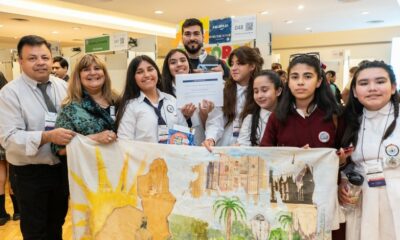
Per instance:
{"type": "Point", "coordinates": [28, 108]}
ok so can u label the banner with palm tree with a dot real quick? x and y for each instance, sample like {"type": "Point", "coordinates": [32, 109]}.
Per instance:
{"type": "Point", "coordinates": [135, 190]}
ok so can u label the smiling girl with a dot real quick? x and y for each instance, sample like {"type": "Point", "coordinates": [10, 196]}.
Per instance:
{"type": "Point", "coordinates": [146, 113]}
{"type": "Point", "coordinates": [177, 62]}
{"type": "Point", "coordinates": [372, 112]}
{"type": "Point", "coordinates": [262, 97]}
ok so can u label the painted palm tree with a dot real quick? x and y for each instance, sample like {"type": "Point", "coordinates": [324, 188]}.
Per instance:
{"type": "Point", "coordinates": [286, 220]}
{"type": "Point", "coordinates": [226, 207]}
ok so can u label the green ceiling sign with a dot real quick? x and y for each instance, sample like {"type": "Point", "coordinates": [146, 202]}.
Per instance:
{"type": "Point", "coordinates": [98, 44]}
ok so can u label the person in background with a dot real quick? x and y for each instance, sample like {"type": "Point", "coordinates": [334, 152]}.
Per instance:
{"type": "Point", "coordinates": [193, 41]}
{"type": "Point", "coordinates": [264, 92]}
{"type": "Point", "coordinates": [331, 77]}
{"type": "Point", "coordinates": [89, 107]}
{"type": "Point", "coordinates": [372, 112]}
{"type": "Point", "coordinates": [145, 113]}
{"type": "Point", "coordinates": [223, 125]}
{"type": "Point", "coordinates": [276, 66]}
{"type": "Point", "coordinates": [60, 68]}
{"type": "Point", "coordinates": [177, 62]}
{"type": "Point", "coordinates": [346, 90]}
{"type": "Point", "coordinates": [26, 131]}
{"type": "Point", "coordinates": [4, 216]}
{"type": "Point", "coordinates": [283, 76]}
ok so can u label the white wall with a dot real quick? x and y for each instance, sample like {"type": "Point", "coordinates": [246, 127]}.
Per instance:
{"type": "Point", "coordinates": [334, 57]}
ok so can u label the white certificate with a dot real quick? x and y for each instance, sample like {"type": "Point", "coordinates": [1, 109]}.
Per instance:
{"type": "Point", "coordinates": [193, 88]}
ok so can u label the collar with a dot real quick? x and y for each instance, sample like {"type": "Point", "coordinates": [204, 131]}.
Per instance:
{"type": "Point", "coordinates": [31, 82]}
{"type": "Point", "coordinates": [241, 89]}
{"type": "Point", "coordinates": [384, 111]}
{"type": "Point", "coordinates": [264, 114]}
{"type": "Point", "coordinates": [161, 96]}
{"type": "Point", "coordinates": [202, 55]}
{"type": "Point", "coordinates": [304, 114]}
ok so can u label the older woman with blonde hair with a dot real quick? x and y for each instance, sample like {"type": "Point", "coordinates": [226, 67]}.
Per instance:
{"type": "Point", "coordinates": [89, 107]}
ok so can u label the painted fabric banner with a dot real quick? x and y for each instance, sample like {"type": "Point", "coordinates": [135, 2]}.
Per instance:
{"type": "Point", "coordinates": [134, 190]}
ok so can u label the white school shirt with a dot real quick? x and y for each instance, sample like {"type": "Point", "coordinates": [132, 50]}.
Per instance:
{"type": "Point", "coordinates": [140, 122]}
{"type": "Point", "coordinates": [22, 119]}
{"type": "Point", "coordinates": [379, 216]}
{"type": "Point", "coordinates": [197, 125]}
{"type": "Point", "coordinates": [245, 129]}
{"type": "Point", "coordinates": [215, 124]}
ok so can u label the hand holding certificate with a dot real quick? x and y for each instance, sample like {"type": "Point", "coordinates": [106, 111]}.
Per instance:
{"type": "Point", "coordinates": [193, 88]}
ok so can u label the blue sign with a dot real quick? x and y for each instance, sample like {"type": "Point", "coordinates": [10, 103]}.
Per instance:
{"type": "Point", "coordinates": [220, 30]}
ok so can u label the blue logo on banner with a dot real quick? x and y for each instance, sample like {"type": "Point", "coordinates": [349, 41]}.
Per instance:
{"type": "Point", "coordinates": [220, 30]}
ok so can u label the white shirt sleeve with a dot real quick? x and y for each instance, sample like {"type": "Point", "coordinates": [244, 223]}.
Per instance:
{"type": "Point", "coordinates": [127, 125]}
{"type": "Point", "coordinates": [181, 119]}
{"type": "Point", "coordinates": [13, 134]}
{"type": "Point", "coordinates": [215, 124]}
{"type": "Point", "coordinates": [245, 132]}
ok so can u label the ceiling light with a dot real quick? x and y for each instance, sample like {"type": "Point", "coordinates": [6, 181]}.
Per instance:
{"type": "Point", "coordinates": [20, 19]}
{"type": "Point", "coordinates": [158, 12]}
{"type": "Point", "coordinates": [90, 18]}
{"type": "Point", "coordinates": [1, 26]}
{"type": "Point", "coordinates": [288, 21]}
{"type": "Point", "coordinates": [266, 12]}
{"type": "Point", "coordinates": [54, 32]}
{"type": "Point", "coordinates": [300, 7]}
{"type": "Point", "coordinates": [365, 13]}
{"type": "Point", "coordinates": [76, 28]}
{"type": "Point", "coordinates": [375, 21]}
{"type": "Point", "coordinates": [309, 29]}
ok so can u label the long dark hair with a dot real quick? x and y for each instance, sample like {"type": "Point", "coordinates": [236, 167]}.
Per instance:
{"type": "Point", "coordinates": [3, 80]}
{"type": "Point", "coordinates": [131, 89]}
{"type": "Point", "coordinates": [354, 109]}
{"type": "Point", "coordinates": [245, 55]}
{"type": "Point", "coordinates": [253, 108]}
{"type": "Point", "coordinates": [167, 78]}
{"type": "Point", "coordinates": [323, 96]}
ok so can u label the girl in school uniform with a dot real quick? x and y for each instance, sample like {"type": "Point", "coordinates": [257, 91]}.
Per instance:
{"type": "Point", "coordinates": [262, 97]}
{"type": "Point", "coordinates": [306, 114]}
{"type": "Point", "coordinates": [371, 112]}
{"type": "Point", "coordinates": [146, 113]}
{"type": "Point", "coordinates": [223, 125]}
{"type": "Point", "coordinates": [177, 62]}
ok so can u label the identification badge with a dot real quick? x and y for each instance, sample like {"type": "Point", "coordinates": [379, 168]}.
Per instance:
{"type": "Point", "coordinates": [375, 176]}
{"type": "Point", "coordinates": [236, 127]}
{"type": "Point", "coordinates": [50, 121]}
{"type": "Point", "coordinates": [112, 112]}
{"type": "Point", "coordinates": [162, 134]}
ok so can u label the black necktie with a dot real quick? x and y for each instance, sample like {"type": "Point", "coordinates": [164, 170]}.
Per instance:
{"type": "Point", "coordinates": [47, 100]}
{"type": "Point", "coordinates": [157, 111]}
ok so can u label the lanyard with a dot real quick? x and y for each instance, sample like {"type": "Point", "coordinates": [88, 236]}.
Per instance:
{"type": "Point", "coordinates": [157, 110]}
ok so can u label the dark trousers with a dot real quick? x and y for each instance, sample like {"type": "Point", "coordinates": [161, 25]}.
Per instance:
{"type": "Point", "coordinates": [42, 193]}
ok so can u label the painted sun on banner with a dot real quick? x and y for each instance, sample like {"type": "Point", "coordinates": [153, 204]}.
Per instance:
{"type": "Point", "coordinates": [134, 190]}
